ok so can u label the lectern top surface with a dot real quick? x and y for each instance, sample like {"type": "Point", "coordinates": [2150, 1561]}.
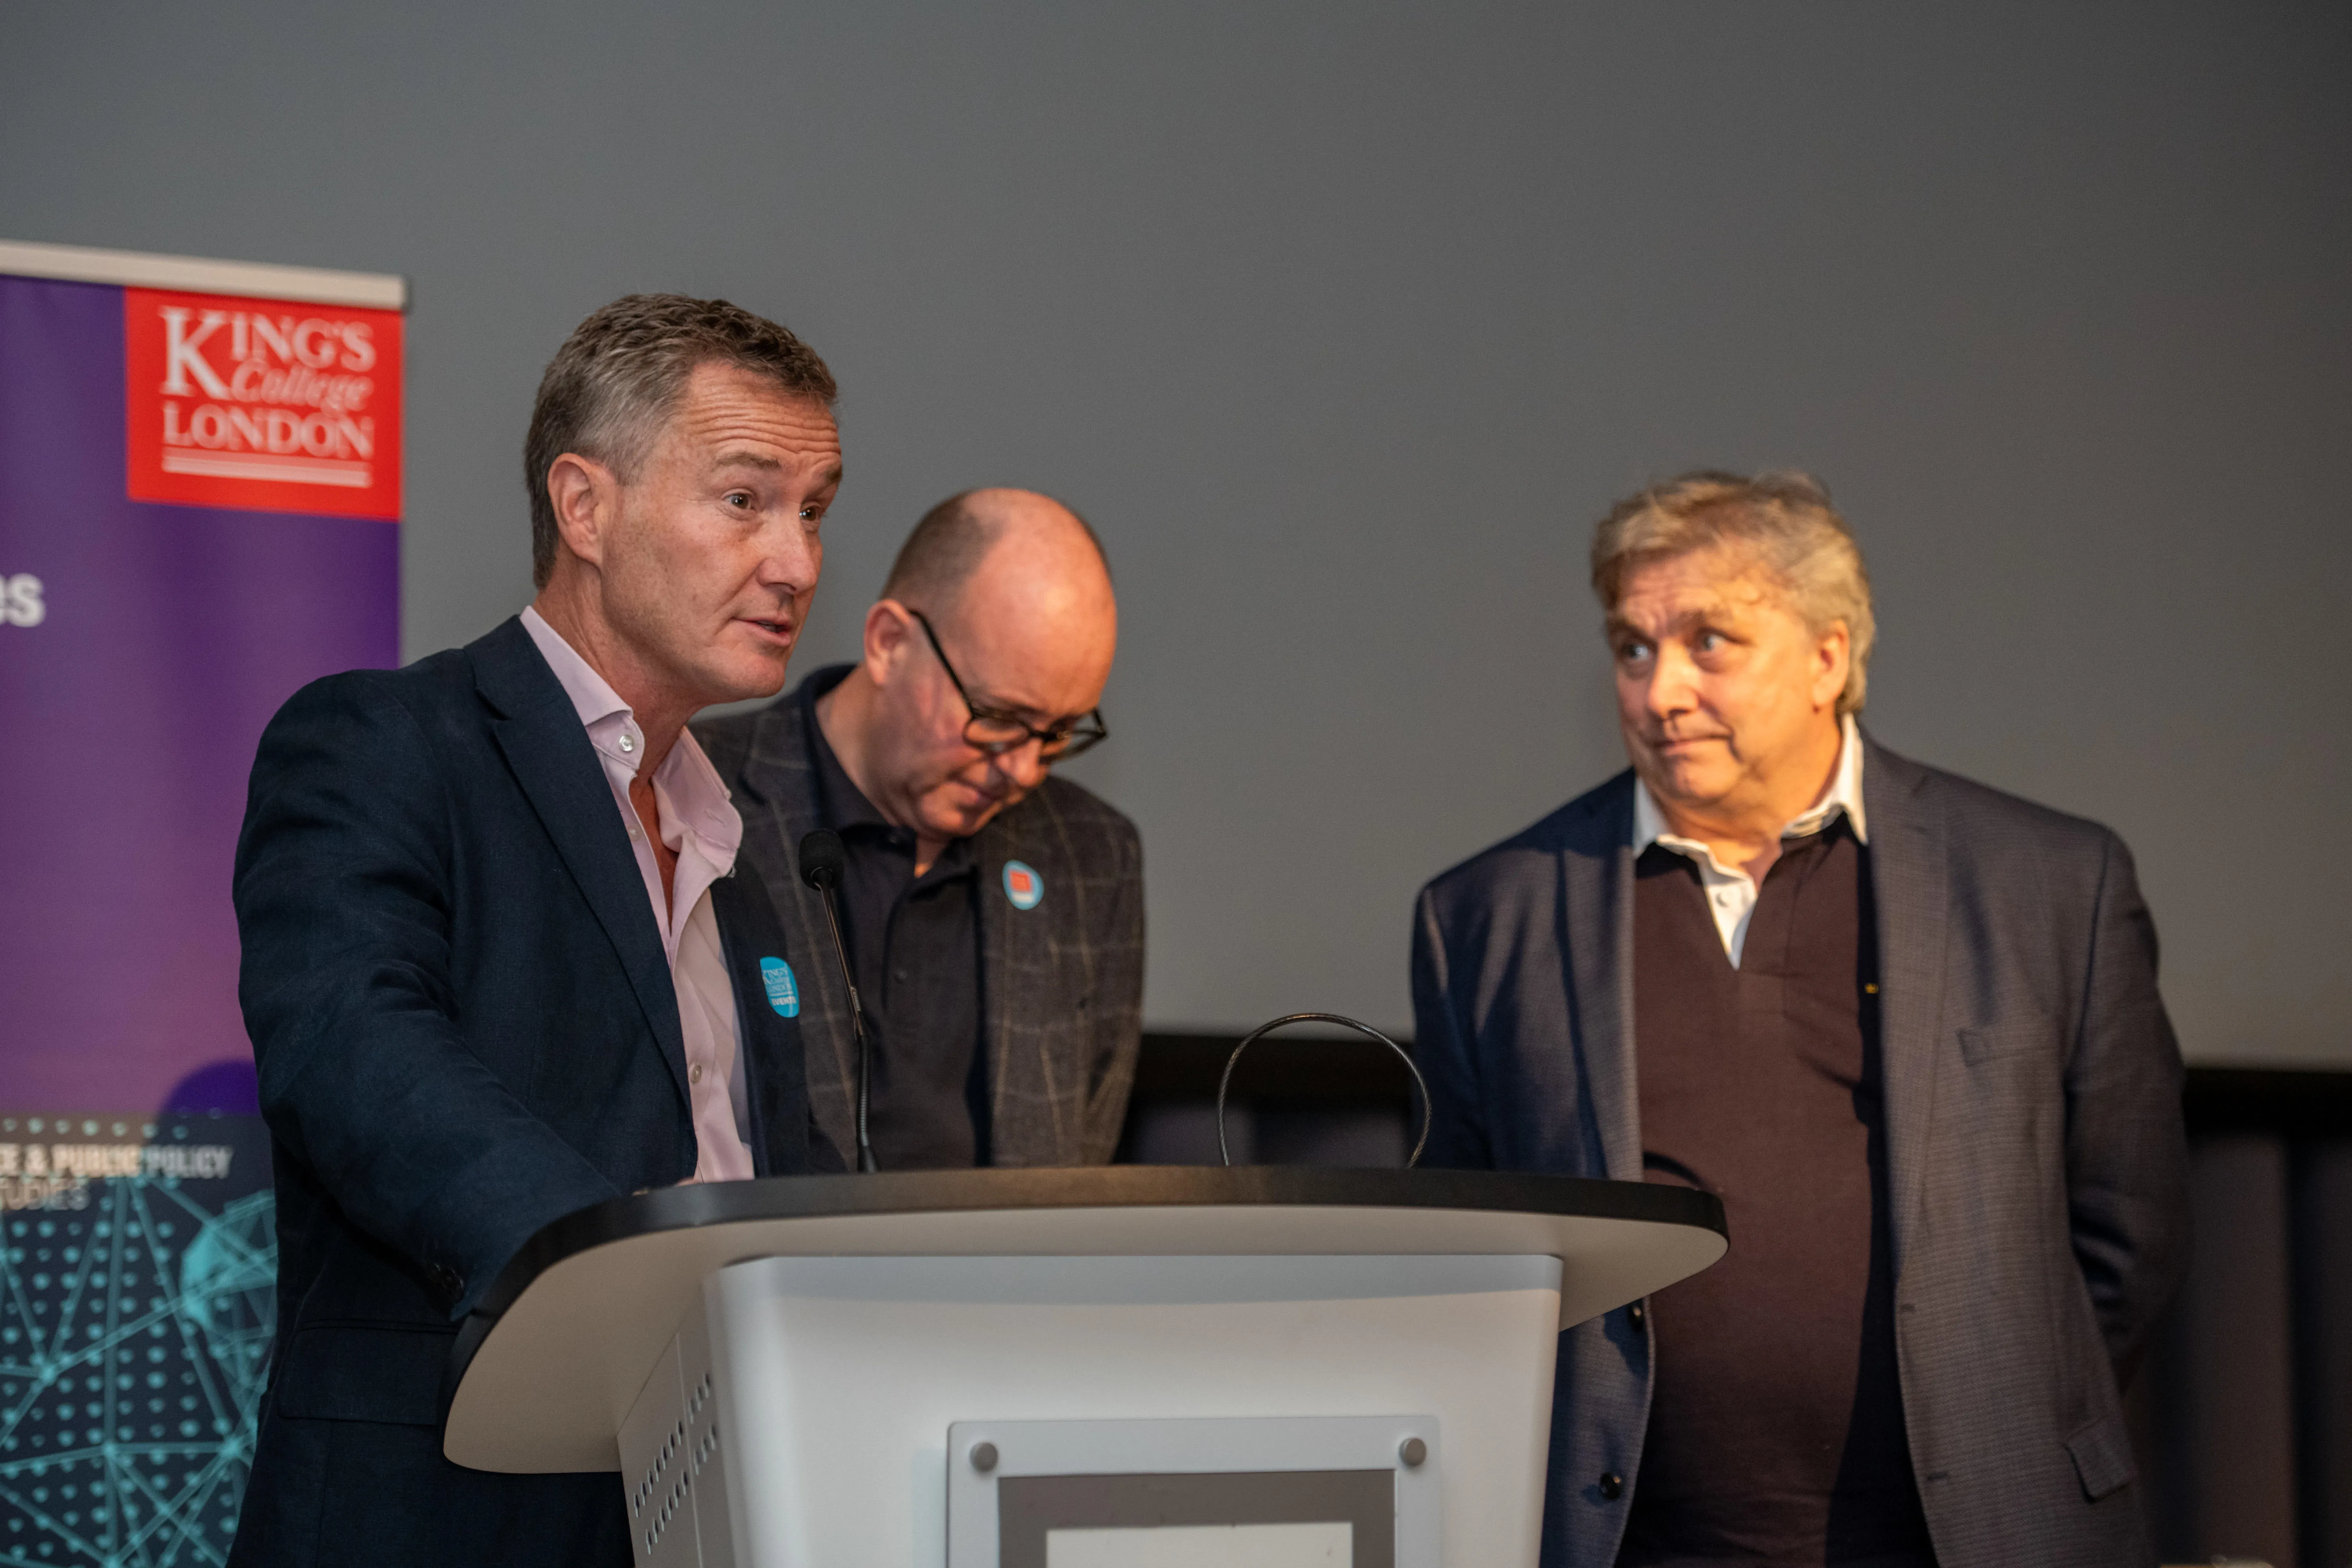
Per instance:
{"type": "Point", "coordinates": [580, 1314]}
{"type": "Point", "coordinates": [893, 1192]}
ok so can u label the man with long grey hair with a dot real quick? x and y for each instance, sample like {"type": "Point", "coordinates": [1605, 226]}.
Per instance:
{"type": "Point", "coordinates": [1906, 1027]}
{"type": "Point", "coordinates": [501, 958]}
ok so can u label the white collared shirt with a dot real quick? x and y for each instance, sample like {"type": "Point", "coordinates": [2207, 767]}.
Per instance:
{"type": "Point", "coordinates": [1730, 891]}
{"type": "Point", "coordinates": [702, 828]}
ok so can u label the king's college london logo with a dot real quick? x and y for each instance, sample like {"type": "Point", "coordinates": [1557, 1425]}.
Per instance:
{"type": "Point", "coordinates": [262, 404]}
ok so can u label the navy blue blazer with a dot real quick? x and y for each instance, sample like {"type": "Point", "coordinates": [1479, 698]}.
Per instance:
{"type": "Point", "coordinates": [2037, 1169]}
{"type": "Point", "coordinates": [463, 1019]}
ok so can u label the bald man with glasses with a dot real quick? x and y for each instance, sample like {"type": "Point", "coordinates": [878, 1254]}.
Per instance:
{"type": "Point", "coordinates": [994, 913]}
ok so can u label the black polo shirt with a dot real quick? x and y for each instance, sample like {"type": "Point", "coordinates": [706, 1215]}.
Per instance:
{"type": "Point", "coordinates": [914, 949]}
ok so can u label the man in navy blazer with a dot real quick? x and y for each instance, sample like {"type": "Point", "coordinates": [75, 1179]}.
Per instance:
{"type": "Point", "coordinates": [1905, 1025]}
{"type": "Point", "coordinates": [500, 962]}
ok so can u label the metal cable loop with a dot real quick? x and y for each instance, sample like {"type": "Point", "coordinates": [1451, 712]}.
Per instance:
{"type": "Point", "coordinates": [1225, 1082]}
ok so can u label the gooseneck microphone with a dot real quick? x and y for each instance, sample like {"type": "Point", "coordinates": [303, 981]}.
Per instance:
{"type": "Point", "coordinates": [821, 859]}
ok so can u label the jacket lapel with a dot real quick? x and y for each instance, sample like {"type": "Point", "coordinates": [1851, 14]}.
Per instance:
{"type": "Point", "coordinates": [1597, 904]}
{"type": "Point", "coordinates": [557, 767]}
{"type": "Point", "coordinates": [1031, 1120]}
{"type": "Point", "coordinates": [778, 776]}
{"type": "Point", "coordinates": [1910, 878]}
{"type": "Point", "coordinates": [773, 1080]}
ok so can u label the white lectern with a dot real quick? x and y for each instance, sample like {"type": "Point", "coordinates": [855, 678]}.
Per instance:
{"type": "Point", "coordinates": [1119, 1367]}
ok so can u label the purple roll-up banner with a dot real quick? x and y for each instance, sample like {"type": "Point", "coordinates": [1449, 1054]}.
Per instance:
{"type": "Point", "coordinates": [199, 512]}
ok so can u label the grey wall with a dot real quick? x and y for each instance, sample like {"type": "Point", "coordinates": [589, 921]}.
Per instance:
{"type": "Point", "coordinates": [1342, 322]}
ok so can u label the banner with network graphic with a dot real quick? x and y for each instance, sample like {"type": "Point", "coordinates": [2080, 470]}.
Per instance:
{"type": "Point", "coordinates": [138, 1268]}
{"type": "Point", "coordinates": [199, 499]}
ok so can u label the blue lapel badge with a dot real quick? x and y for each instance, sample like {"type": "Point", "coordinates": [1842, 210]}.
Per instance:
{"type": "Point", "coordinates": [1022, 885]}
{"type": "Point", "coordinates": [783, 995]}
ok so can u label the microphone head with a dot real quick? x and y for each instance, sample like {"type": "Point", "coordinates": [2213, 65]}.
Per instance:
{"type": "Point", "coordinates": [821, 859]}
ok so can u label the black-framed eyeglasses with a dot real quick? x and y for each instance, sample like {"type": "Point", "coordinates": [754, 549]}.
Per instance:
{"type": "Point", "coordinates": [995, 732]}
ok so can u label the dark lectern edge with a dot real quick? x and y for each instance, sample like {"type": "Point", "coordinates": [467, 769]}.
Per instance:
{"type": "Point", "coordinates": [1091, 1187]}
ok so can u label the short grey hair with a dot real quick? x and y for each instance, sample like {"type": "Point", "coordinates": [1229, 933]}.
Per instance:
{"type": "Point", "coordinates": [1784, 518]}
{"type": "Point", "coordinates": [611, 385]}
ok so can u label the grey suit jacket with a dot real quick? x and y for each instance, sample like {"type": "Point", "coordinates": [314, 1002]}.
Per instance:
{"type": "Point", "coordinates": [1061, 985]}
{"type": "Point", "coordinates": [2036, 1169]}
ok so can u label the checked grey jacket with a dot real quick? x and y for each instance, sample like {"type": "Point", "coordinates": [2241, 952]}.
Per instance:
{"type": "Point", "coordinates": [2036, 1173]}
{"type": "Point", "coordinates": [1061, 985]}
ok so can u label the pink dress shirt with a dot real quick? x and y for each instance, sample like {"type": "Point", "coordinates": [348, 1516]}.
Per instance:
{"type": "Point", "coordinates": [701, 827]}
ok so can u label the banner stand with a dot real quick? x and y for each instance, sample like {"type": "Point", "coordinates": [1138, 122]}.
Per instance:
{"type": "Point", "coordinates": [200, 493]}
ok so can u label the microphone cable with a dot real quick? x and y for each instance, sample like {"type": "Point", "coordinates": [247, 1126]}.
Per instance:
{"type": "Point", "coordinates": [821, 859]}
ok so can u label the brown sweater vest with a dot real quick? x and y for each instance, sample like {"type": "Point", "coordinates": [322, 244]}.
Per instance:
{"type": "Point", "coordinates": [1776, 1421]}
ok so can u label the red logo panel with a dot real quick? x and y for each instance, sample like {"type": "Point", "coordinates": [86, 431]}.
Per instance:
{"type": "Point", "coordinates": [262, 404]}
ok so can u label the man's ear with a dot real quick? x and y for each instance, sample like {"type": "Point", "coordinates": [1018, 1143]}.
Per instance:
{"type": "Point", "coordinates": [586, 496]}
{"type": "Point", "coordinates": [890, 631]}
{"type": "Point", "coordinates": [1834, 656]}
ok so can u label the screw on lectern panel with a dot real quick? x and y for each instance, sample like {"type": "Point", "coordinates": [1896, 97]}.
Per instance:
{"type": "Point", "coordinates": [983, 1456]}
{"type": "Point", "coordinates": [1413, 1451]}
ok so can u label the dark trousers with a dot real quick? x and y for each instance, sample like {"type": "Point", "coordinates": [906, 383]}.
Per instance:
{"type": "Point", "coordinates": [398, 1503]}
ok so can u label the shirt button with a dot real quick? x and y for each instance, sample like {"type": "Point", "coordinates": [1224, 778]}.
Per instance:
{"type": "Point", "coordinates": [1724, 897]}
{"type": "Point", "coordinates": [694, 1074]}
{"type": "Point", "coordinates": [628, 744]}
